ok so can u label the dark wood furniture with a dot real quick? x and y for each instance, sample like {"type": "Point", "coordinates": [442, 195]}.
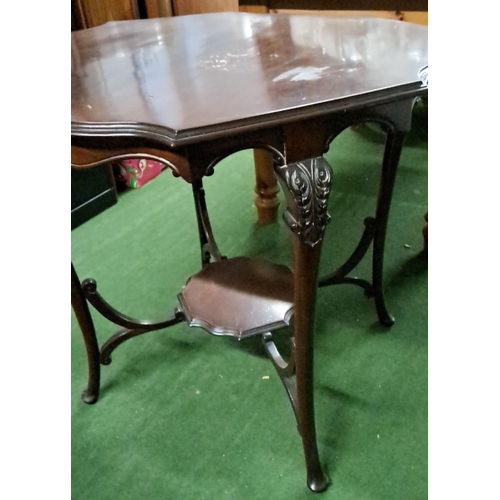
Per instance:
{"type": "Point", "coordinates": [90, 13]}
{"type": "Point", "coordinates": [404, 10]}
{"type": "Point", "coordinates": [92, 191]}
{"type": "Point", "coordinates": [414, 11]}
{"type": "Point", "coordinates": [285, 85]}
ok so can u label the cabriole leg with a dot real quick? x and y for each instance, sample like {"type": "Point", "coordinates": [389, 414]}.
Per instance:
{"type": "Point", "coordinates": [82, 313]}
{"type": "Point", "coordinates": [306, 185]}
{"type": "Point", "coordinates": [393, 147]}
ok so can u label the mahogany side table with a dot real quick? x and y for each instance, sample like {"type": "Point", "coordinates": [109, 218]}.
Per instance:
{"type": "Point", "coordinates": [189, 91]}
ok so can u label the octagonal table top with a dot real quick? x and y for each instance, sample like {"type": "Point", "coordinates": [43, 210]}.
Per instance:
{"type": "Point", "coordinates": [186, 78]}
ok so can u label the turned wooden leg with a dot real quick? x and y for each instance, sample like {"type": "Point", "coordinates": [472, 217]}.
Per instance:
{"type": "Point", "coordinates": [82, 313]}
{"type": "Point", "coordinates": [266, 189]}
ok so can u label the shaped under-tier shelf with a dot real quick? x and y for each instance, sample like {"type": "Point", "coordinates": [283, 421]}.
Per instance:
{"type": "Point", "coordinates": [239, 297]}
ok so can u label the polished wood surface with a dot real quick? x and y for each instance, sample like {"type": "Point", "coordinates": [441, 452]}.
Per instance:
{"type": "Point", "coordinates": [92, 13]}
{"type": "Point", "coordinates": [388, 9]}
{"type": "Point", "coordinates": [191, 90]}
{"type": "Point", "coordinates": [185, 7]}
{"type": "Point", "coordinates": [266, 187]}
{"type": "Point", "coordinates": [413, 5]}
{"type": "Point", "coordinates": [218, 300]}
{"type": "Point", "coordinates": [178, 80]}
{"type": "Point", "coordinates": [397, 15]}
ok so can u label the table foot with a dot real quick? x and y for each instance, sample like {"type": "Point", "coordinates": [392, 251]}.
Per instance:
{"type": "Point", "coordinates": [318, 482]}
{"type": "Point", "coordinates": [384, 317]}
{"type": "Point", "coordinates": [90, 397]}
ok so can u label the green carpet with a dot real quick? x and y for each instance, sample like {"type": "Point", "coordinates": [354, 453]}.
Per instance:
{"type": "Point", "coordinates": [184, 415]}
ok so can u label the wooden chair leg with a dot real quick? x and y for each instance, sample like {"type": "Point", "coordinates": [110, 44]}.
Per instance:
{"type": "Point", "coordinates": [266, 189]}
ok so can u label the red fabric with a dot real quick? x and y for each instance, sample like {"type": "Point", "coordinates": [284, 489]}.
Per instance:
{"type": "Point", "coordinates": [135, 173]}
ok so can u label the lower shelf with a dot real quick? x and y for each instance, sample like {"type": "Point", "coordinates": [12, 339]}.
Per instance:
{"type": "Point", "coordinates": [239, 297]}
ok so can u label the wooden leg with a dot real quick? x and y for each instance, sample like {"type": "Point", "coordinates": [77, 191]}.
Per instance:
{"type": "Point", "coordinates": [394, 145]}
{"type": "Point", "coordinates": [306, 185]}
{"type": "Point", "coordinates": [266, 189]}
{"type": "Point", "coordinates": [306, 260]}
{"type": "Point", "coordinates": [82, 313]}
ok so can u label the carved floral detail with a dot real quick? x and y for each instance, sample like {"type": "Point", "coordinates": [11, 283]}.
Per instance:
{"type": "Point", "coordinates": [308, 183]}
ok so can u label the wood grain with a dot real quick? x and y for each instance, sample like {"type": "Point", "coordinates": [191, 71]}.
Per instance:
{"type": "Point", "coordinates": [92, 13]}
{"type": "Point", "coordinates": [185, 7]}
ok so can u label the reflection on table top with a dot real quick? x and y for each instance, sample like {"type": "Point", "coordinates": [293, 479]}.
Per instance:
{"type": "Point", "coordinates": [187, 76]}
